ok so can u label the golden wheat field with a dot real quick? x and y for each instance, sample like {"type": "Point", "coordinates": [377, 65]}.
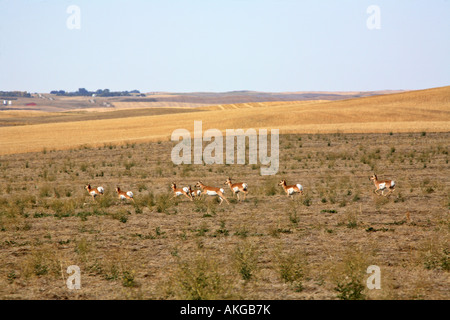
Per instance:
{"type": "Point", "coordinates": [317, 245]}
{"type": "Point", "coordinates": [416, 111]}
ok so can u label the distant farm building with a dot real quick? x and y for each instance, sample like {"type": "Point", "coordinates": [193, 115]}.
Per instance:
{"type": "Point", "coordinates": [31, 104]}
{"type": "Point", "coordinates": [7, 102]}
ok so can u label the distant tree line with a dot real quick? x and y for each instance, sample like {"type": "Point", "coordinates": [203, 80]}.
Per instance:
{"type": "Point", "coordinates": [98, 93]}
{"type": "Point", "coordinates": [22, 94]}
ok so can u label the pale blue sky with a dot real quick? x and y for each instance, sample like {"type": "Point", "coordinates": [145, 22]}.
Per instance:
{"type": "Point", "coordinates": [218, 45]}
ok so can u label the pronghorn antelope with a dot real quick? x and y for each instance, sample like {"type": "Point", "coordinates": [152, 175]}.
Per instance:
{"type": "Point", "coordinates": [212, 191]}
{"type": "Point", "coordinates": [382, 185]}
{"type": "Point", "coordinates": [94, 191]}
{"type": "Point", "coordinates": [180, 191]}
{"type": "Point", "coordinates": [124, 195]}
{"type": "Point", "coordinates": [290, 190]}
{"type": "Point", "coordinates": [194, 193]}
{"type": "Point", "coordinates": [237, 187]}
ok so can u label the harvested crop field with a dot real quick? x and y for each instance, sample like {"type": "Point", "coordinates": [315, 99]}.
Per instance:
{"type": "Point", "coordinates": [413, 111]}
{"type": "Point", "coordinates": [315, 246]}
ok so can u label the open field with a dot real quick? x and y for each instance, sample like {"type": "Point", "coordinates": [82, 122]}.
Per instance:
{"type": "Point", "coordinates": [317, 246]}
{"type": "Point", "coordinates": [55, 103]}
{"type": "Point", "coordinates": [414, 111]}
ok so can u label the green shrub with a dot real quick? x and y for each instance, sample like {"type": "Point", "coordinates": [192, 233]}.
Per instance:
{"type": "Point", "coordinates": [291, 270]}
{"type": "Point", "coordinates": [200, 280]}
{"type": "Point", "coordinates": [245, 257]}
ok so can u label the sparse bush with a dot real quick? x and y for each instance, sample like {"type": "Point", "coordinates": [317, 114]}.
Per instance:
{"type": "Point", "coordinates": [146, 200]}
{"type": "Point", "coordinates": [45, 191]}
{"type": "Point", "coordinates": [350, 220]}
{"type": "Point", "coordinates": [293, 217]}
{"type": "Point", "coordinates": [111, 273]}
{"type": "Point", "coordinates": [41, 262]}
{"type": "Point", "coordinates": [245, 260]}
{"type": "Point", "coordinates": [128, 279]}
{"type": "Point", "coordinates": [350, 289]}
{"type": "Point", "coordinates": [163, 203]}
{"type": "Point", "coordinates": [82, 247]}
{"type": "Point", "coordinates": [349, 276]}
{"type": "Point", "coordinates": [121, 215]}
{"type": "Point", "coordinates": [129, 164]}
{"type": "Point", "coordinates": [222, 231]}
{"type": "Point", "coordinates": [270, 189]}
{"type": "Point", "coordinates": [200, 280]}
{"type": "Point", "coordinates": [435, 254]}
{"type": "Point", "coordinates": [291, 270]}
{"type": "Point", "coordinates": [242, 232]}
{"type": "Point", "coordinates": [307, 200]}
{"type": "Point", "coordinates": [202, 230]}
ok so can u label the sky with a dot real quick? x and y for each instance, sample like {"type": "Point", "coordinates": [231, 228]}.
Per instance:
{"type": "Point", "coordinates": [224, 45]}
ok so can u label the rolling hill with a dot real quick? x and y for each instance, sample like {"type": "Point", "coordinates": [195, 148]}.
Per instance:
{"type": "Point", "coordinates": [412, 111]}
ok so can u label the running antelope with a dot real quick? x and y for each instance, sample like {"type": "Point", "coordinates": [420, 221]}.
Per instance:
{"type": "Point", "coordinates": [382, 185]}
{"type": "Point", "coordinates": [237, 187]}
{"type": "Point", "coordinates": [180, 191]}
{"type": "Point", "coordinates": [212, 191]}
{"type": "Point", "coordinates": [290, 190]}
{"type": "Point", "coordinates": [124, 195]}
{"type": "Point", "coordinates": [94, 191]}
{"type": "Point", "coordinates": [194, 193]}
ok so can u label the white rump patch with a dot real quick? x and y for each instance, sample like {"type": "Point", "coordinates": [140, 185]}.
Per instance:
{"type": "Point", "coordinates": [130, 194]}
{"type": "Point", "coordinates": [300, 187]}
{"type": "Point", "coordinates": [392, 183]}
{"type": "Point", "coordinates": [222, 190]}
{"type": "Point", "coordinates": [101, 190]}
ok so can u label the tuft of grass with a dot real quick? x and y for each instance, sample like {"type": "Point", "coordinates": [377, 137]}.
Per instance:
{"type": "Point", "coordinates": [202, 230]}
{"type": "Point", "coordinates": [328, 211]}
{"type": "Point", "coordinates": [349, 276]}
{"type": "Point", "coordinates": [164, 203]}
{"type": "Point", "coordinates": [105, 201]}
{"type": "Point", "coordinates": [128, 279]}
{"type": "Point", "coordinates": [222, 231]}
{"type": "Point", "coordinates": [435, 254]}
{"type": "Point", "coordinates": [121, 215]}
{"type": "Point", "coordinates": [307, 200]}
{"type": "Point", "coordinates": [146, 200]}
{"type": "Point", "coordinates": [41, 262]}
{"type": "Point", "coordinates": [245, 260]}
{"type": "Point", "coordinates": [82, 248]}
{"type": "Point", "coordinates": [45, 191]}
{"type": "Point", "coordinates": [199, 280]}
{"type": "Point", "coordinates": [291, 269]}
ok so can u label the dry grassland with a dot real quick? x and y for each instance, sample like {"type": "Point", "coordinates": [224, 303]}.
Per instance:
{"type": "Point", "coordinates": [317, 246]}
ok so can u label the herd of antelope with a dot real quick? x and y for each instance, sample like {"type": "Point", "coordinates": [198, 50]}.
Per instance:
{"type": "Point", "coordinates": [236, 189]}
